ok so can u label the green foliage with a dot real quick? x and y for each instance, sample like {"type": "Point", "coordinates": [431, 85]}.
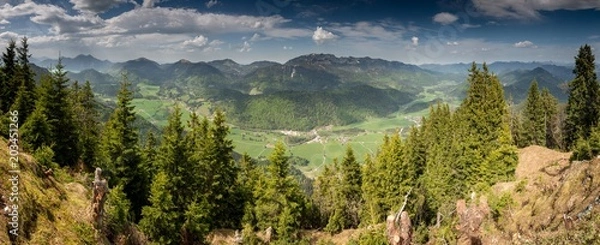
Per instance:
{"type": "Point", "coordinates": [44, 156]}
{"type": "Point", "coordinates": [586, 149]}
{"type": "Point", "coordinates": [87, 119]}
{"type": "Point", "coordinates": [119, 152]}
{"type": "Point", "coordinates": [279, 203]}
{"type": "Point", "coordinates": [161, 221]}
{"type": "Point", "coordinates": [370, 237]}
{"type": "Point", "coordinates": [498, 204]}
{"type": "Point", "coordinates": [117, 209]}
{"type": "Point", "coordinates": [10, 84]}
{"type": "Point", "coordinates": [552, 120]}
{"type": "Point", "coordinates": [583, 107]}
{"type": "Point", "coordinates": [35, 132]}
{"type": "Point", "coordinates": [534, 120]}
{"type": "Point", "coordinates": [305, 110]}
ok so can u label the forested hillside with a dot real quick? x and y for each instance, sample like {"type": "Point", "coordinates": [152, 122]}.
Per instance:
{"type": "Point", "coordinates": [457, 177]}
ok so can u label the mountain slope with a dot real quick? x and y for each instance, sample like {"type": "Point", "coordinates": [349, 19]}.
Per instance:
{"type": "Point", "coordinates": [517, 83]}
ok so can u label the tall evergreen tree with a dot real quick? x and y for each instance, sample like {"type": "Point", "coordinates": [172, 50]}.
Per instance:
{"type": "Point", "coordinates": [24, 79]}
{"type": "Point", "coordinates": [88, 126]}
{"type": "Point", "coordinates": [350, 189]}
{"type": "Point", "coordinates": [119, 151]}
{"type": "Point", "coordinates": [53, 97]}
{"type": "Point", "coordinates": [551, 119]}
{"type": "Point", "coordinates": [534, 118]}
{"type": "Point", "coordinates": [179, 213]}
{"type": "Point", "coordinates": [36, 132]}
{"type": "Point", "coordinates": [583, 106]}
{"type": "Point", "coordinates": [10, 83]}
{"type": "Point", "coordinates": [280, 204]}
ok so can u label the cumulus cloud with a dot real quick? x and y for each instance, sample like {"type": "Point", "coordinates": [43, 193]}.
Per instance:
{"type": "Point", "coordinates": [320, 36]}
{"type": "Point", "coordinates": [52, 15]}
{"type": "Point", "coordinates": [524, 44]}
{"type": "Point", "coordinates": [4, 22]}
{"type": "Point", "coordinates": [199, 41]}
{"type": "Point", "coordinates": [288, 47]}
{"type": "Point", "coordinates": [445, 18]}
{"type": "Point", "coordinates": [246, 47]}
{"type": "Point", "coordinates": [452, 43]}
{"type": "Point", "coordinates": [255, 37]}
{"type": "Point", "coordinates": [529, 9]}
{"type": "Point", "coordinates": [211, 3]}
{"type": "Point", "coordinates": [149, 3]}
{"type": "Point", "coordinates": [415, 41]}
{"type": "Point", "coordinates": [95, 6]}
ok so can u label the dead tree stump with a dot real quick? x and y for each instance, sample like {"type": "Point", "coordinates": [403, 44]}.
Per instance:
{"type": "Point", "coordinates": [100, 188]}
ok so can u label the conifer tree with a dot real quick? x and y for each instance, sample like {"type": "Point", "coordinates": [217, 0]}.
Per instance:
{"type": "Point", "coordinates": [187, 208]}
{"type": "Point", "coordinates": [247, 180]}
{"type": "Point", "coordinates": [280, 203]}
{"type": "Point", "coordinates": [583, 106]}
{"type": "Point", "coordinates": [88, 126]}
{"type": "Point", "coordinates": [10, 83]}
{"type": "Point", "coordinates": [53, 96]}
{"type": "Point", "coordinates": [24, 78]}
{"type": "Point", "coordinates": [350, 189]}
{"type": "Point", "coordinates": [551, 119]}
{"type": "Point", "coordinates": [534, 118]}
{"type": "Point", "coordinates": [119, 151]}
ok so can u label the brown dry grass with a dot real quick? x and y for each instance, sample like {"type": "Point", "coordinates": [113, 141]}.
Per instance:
{"type": "Point", "coordinates": [547, 186]}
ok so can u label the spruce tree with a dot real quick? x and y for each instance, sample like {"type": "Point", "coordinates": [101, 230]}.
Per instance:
{"type": "Point", "coordinates": [350, 189]}
{"type": "Point", "coordinates": [551, 119]}
{"type": "Point", "coordinates": [534, 118]}
{"type": "Point", "coordinates": [280, 204]}
{"type": "Point", "coordinates": [53, 96]}
{"type": "Point", "coordinates": [88, 126]}
{"type": "Point", "coordinates": [187, 208]}
{"type": "Point", "coordinates": [583, 106]}
{"type": "Point", "coordinates": [24, 78]}
{"type": "Point", "coordinates": [119, 151]}
{"type": "Point", "coordinates": [10, 84]}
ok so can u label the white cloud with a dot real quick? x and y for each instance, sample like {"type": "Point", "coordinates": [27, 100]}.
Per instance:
{"type": "Point", "coordinates": [56, 17]}
{"type": "Point", "coordinates": [246, 47]}
{"type": "Point", "coordinates": [467, 26]}
{"type": "Point", "coordinates": [4, 22]}
{"type": "Point", "coordinates": [415, 41]}
{"type": "Point", "coordinates": [452, 43]}
{"type": "Point", "coordinates": [211, 3]}
{"type": "Point", "coordinates": [530, 9]}
{"type": "Point", "coordinates": [149, 3]}
{"type": "Point", "coordinates": [255, 37]}
{"type": "Point", "coordinates": [95, 6]}
{"type": "Point", "coordinates": [288, 47]}
{"type": "Point", "coordinates": [445, 18]}
{"type": "Point", "coordinates": [320, 36]}
{"type": "Point", "coordinates": [364, 30]}
{"type": "Point", "coordinates": [199, 41]}
{"type": "Point", "coordinates": [524, 44]}
{"type": "Point", "coordinates": [8, 35]}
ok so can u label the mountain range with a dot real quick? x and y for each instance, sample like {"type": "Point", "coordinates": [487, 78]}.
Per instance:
{"type": "Point", "coordinates": [322, 89]}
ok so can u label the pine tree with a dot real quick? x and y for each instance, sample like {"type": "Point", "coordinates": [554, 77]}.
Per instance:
{"type": "Point", "coordinates": [583, 106]}
{"type": "Point", "coordinates": [248, 181]}
{"type": "Point", "coordinates": [53, 97]}
{"type": "Point", "coordinates": [350, 189]}
{"type": "Point", "coordinates": [534, 118]}
{"type": "Point", "coordinates": [280, 204]}
{"type": "Point", "coordinates": [24, 77]}
{"type": "Point", "coordinates": [187, 208]}
{"type": "Point", "coordinates": [10, 84]}
{"type": "Point", "coordinates": [35, 132]}
{"type": "Point", "coordinates": [88, 126]}
{"type": "Point", "coordinates": [551, 119]}
{"type": "Point", "coordinates": [218, 155]}
{"type": "Point", "coordinates": [119, 151]}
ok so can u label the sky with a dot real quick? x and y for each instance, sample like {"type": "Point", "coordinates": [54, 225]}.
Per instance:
{"type": "Point", "coordinates": [415, 31]}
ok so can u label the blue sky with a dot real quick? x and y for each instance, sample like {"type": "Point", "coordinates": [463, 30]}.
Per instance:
{"type": "Point", "coordinates": [441, 31]}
